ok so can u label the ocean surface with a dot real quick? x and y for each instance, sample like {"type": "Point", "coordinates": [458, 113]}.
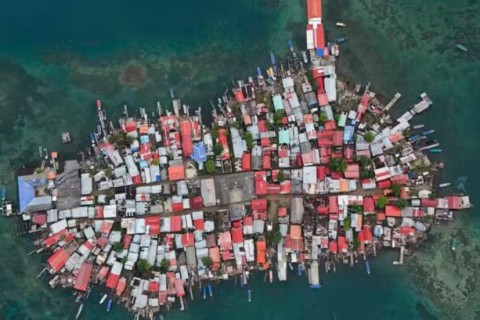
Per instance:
{"type": "Point", "coordinates": [57, 57]}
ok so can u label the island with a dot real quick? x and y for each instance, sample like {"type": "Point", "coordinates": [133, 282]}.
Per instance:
{"type": "Point", "coordinates": [295, 169]}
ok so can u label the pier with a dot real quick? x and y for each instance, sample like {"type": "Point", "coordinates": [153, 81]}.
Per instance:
{"type": "Point", "coordinates": [393, 101]}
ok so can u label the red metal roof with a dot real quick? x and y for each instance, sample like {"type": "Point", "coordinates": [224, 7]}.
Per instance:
{"type": "Point", "coordinates": [406, 230]}
{"type": "Point", "coordinates": [332, 204]}
{"type": "Point", "coordinates": [342, 244]}
{"type": "Point", "coordinates": [199, 224]}
{"type": "Point", "coordinates": [246, 162]}
{"type": "Point", "coordinates": [83, 278]}
{"type": "Point", "coordinates": [237, 235]}
{"type": "Point", "coordinates": [367, 233]}
{"type": "Point", "coordinates": [186, 132]}
{"type": "Point", "coordinates": [432, 203]}
{"type": "Point", "coordinates": [239, 95]}
{"type": "Point", "coordinates": [262, 126]}
{"type": "Point", "coordinates": [454, 202]}
{"type": "Point", "coordinates": [175, 223]}
{"type": "Point", "coordinates": [353, 171]}
{"type": "Point", "coordinates": [321, 173]}
{"type": "Point", "coordinates": [384, 184]}
{"type": "Point", "coordinates": [188, 240]}
{"type": "Point", "coordinates": [261, 250]}
{"type": "Point", "coordinates": [58, 260]}
{"type": "Point", "coordinates": [282, 212]}
{"type": "Point", "coordinates": [259, 204]}
{"type": "Point", "coordinates": [112, 281]}
{"type": "Point", "coordinates": [127, 239]}
{"type": "Point", "coordinates": [53, 239]}
{"type": "Point", "coordinates": [154, 223]}
{"type": "Point", "coordinates": [392, 211]}
{"type": "Point", "coordinates": [332, 246]}
{"type": "Point", "coordinates": [368, 205]}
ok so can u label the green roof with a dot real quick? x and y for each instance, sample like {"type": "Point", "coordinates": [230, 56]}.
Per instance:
{"type": "Point", "coordinates": [284, 136]}
{"type": "Point", "coordinates": [277, 102]}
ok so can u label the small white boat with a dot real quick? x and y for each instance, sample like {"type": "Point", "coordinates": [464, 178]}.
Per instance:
{"type": "Point", "coordinates": [103, 298]}
{"type": "Point", "coordinates": [443, 185]}
{"type": "Point", "coordinates": [79, 312]}
{"type": "Point", "coordinates": [341, 24]}
{"type": "Point", "coordinates": [418, 126]}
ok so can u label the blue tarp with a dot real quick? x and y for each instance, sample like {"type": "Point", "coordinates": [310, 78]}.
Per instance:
{"type": "Point", "coordinates": [26, 192]}
{"type": "Point", "coordinates": [199, 153]}
{"type": "Point", "coordinates": [144, 139]}
{"type": "Point", "coordinates": [320, 52]}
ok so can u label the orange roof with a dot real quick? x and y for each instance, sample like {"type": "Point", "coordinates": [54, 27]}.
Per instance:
{"type": "Point", "coordinates": [51, 175]}
{"type": "Point", "coordinates": [343, 185]}
{"type": "Point", "coordinates": [176, 172]}
{"type": "Point", "coordinates": [295, 231]}
{"type": "Point", "coordinates": [214, 254]}
{"type": "Point", "coordinates": [261, 249]}
{"type": "Point", "coordinates": [58, 260]}
{"type": "Point", "coordinates": [314, 9]}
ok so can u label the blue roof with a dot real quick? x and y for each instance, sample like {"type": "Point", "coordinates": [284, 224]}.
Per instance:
{"type": "Point", "coordinates": [199, 152]}
{"type": "Point", "coordinates": [320, 52]}
{"type": "Point", "coordinates": [144, 139]}
{"type": "Point", "coordinates": [277, 102]}
{"type": "Point", "coordinates": [26, 192]}
{"type": "Point", "coordinates": [143, 164]}
{"type": "Point", "coordinates": [348, 133]}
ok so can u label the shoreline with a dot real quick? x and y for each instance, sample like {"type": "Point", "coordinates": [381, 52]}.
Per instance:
{"type": "Point", "coordinates": [229, 149]}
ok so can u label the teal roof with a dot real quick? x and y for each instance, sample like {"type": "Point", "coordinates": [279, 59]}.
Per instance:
{"type": "Point", "coordinates": [284, 136]}
{"type": "Point", "coordinates": [277, 102]}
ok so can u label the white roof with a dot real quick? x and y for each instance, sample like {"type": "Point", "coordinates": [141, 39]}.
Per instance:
{"type": "Point", "coordinates": [110, 211]}
{"type": "Point", "coordinates": [58, 226]}
{"type": "Point", "coordinates": [86, 184]}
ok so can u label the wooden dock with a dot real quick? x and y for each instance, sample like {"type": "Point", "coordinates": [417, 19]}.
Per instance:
{"type": "Point", "coordinates": [393, 101]}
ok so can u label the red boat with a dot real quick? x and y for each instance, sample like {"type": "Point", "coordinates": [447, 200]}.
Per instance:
{"type": "Point", "coordinates": [99, 105]}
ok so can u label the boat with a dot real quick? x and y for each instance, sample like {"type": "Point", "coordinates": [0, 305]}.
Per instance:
{"type": "Point", "coordinates": [249, 295]}
{"type": "Point", "coordinates": [305, 58]}
{"type": "Point", "coordinates": [461, 47]}
{"type": "Point", "coordinates": [88, 292]}
{"type": "Point", "coordinates": [210, 291]}
{"type": "Point", "coordinates": [78, 298]}
{"type": "Point", "coordinates": [160, 317]}
{"type": "Point", "coordinates": [92, 137]}
{"type": "Point", "coordinates": [103, 298]}
{"type": "Point", "coordinates": [418, 126]}
{"type": "Point", "coordinates": [335, 51]}
{"type": "Point", "coordinates": [259, 72]}
{"type": "Point", "coordinates": [453, 245]}
{"type": "Point", "coordinates": [79, 312]}
{"type": "Point", "coordinates": [342, 39]}
{"type": "Point", "coordinates": [367, 265]}
{"type": "Point", "coordinates": [426, 133]}
{"type": "Point", "coordinates": [204, 292]}
{"type": "Point", "coordinates": [99, 105]}
{"type": "Point", "coordinates": [171, 93]}
{"type": "Point", "coordinates": [299, 269]}
{"type": "Point", "coordinates": [109, 304]}
{"type": "Point", "coordinates": [443, 185]}
{"type": "Point", "coordinates": [414, 137]}
{"type": "Point", "coordinates": [290, 45]}
{"type": "Point", "coordinates": [340, 24]}
{"type": "Point", "coordinates": [272, 58]}
{"type": "Point", "coordinates": [435, 150]}
{"type": "Point", "coordinates": [270, 273]}
{"type": "Point", "coordinates": [290, 265]}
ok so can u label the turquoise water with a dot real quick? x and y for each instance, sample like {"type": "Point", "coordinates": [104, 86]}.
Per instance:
{"type": "Point", "coordinates": [57, 57]}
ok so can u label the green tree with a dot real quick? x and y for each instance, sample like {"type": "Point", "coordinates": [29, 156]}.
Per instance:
{"type": "Point", "coordinates": [275, 237]}
{"type": "Point", "coordinates": [108, 172]}
{"type": "Point", "coordinates": [322, 117]}
{"type": "Point", "coordinates": [210, 166]}
{"type": "Point", "coordinates": [382, 202]}
{"type": "Point", "coordinates": [356, 243]}
{"type": "Point", "coordinates": [164, 265]}
{"type": "Point", "coordinates": [155, 162]}
{"type": "Point", "coordinates": [278, 118]}
{"type": "Point", "coordinates": [118, 247]}
{"type": "Point", "coordinates": [400, 203]}
{"type": "Point", "coordinates": [249, 140]}
{"type": "Point", "coordinates": [214, 132]}
{"type": "Point", "coordinates": [143, 267]}
{"type": "Point", "coordinates": [207, 262]}
{"type": "Point", "coordinates": [281, 176]}
{"type": "Point", "coordinates": [369, 137]}
{"type": "Point", "coordinates": [347, 223]}
{"type": "Point", "coordinates": [337, 164]}
{"type": "Point", "coordinates": [218, 149]}
{"type": "Point", "coordinates": [396, 189]}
